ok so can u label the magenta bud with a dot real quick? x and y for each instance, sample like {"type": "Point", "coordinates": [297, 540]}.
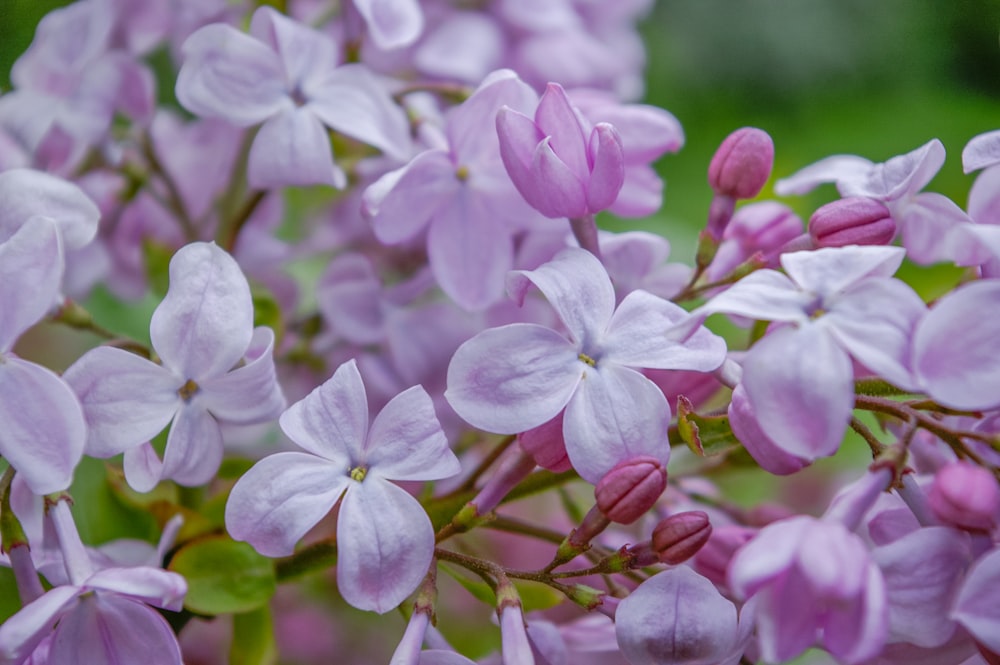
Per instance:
{"type": "Point", "coordinates": [855, 220]}
{"type": "Point", "coordinates": [679, 537]}
{"type": "Point", "coordinates": [546, 445]}
{"type": "Point", "coordinates": [965, 496]}
{"type": "Point", "coordinates": [742, 164]}
{"type": "Point", "coordinates": [712, 560]}
{"type": "Point", "coordinates": [630, 489]}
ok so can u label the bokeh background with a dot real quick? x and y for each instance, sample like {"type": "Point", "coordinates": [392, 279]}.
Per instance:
{"type": "Point", "coordinates": [873, 78]}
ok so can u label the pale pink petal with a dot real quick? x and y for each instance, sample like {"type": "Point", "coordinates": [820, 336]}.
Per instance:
{"type": "Point", "coordinates": [900, 176]}
{"type": "Point", "coordinates": [385, 544]}
{"type": "Point", "coordinates": [519, 136]}
{"type": "Point", "coordinates": [510, 379]}
{"type": "Point", "coordinates": [405, 441]}
{"type": "Point", "coordinates": [250, 393]}
{"type": "Point", "coordinates": [349, 296]}
{"type": "Point", "coordinates": [608, 173]}
{"type": "Point", "coordinates": [31, 270]}
{"type": "Point", "coordinates": [26, 193]}
{"type": "Point", "coordinates": [927, 223]}
{"type": "Point", "coordinates": [280, 498]}
{"type": "Point", "coordinates": [981, 152]}
{"type": "Point", "coordinates": [194, 447]}
{"type": "Point", "coordinates": [473, 34]}
{"type": "Point", "coordinates": [641, 193]}
{"type": "Point", "coordinates": [203, 326]}
{"type": "Point", "coordinates": [143, 467]}
{"type": "Point", "coordinates": [555, 191]}
{"type": "Point", "coordinates": [577, 286]}
{"type": "Point", "coordinates": [126, 399]}
{"type": "Point", "coordinates": [153, 586]}
{"type": "Point", "coordinates": [830, 270]}
{"type": "Point", "coordinates": [292, 148]}
{"type": "Point", "coordinates": [856, 634]}
{"type": "Point", "coordinates": [402, 202]}
{"type": "Point", "coordinates": [332, 420]}
{"type": "Point", "coordinates": [786, 618]}
{"type": "Point", "coordinates": [768, 456]}
{"type": "Point", "coordinates": [615, 414]}
{"type": "Point", "coordinates": [501, 89]}
{"type": "Point", "coordinates": [43, 431]}
{"type": "Point", "coordinates": [831, 169]}
{"type": "Point", "coordinates": [977, 606]}
{"type": "Point", "coordinates": [558, 121]}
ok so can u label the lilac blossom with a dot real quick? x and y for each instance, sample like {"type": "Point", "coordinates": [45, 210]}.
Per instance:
{"type": "Point", "coordinates": [927, 220]}
{"type": "Point", "coordinates": [836, 304]}
{"type": "Point", "coordinates": [216, 369]}
{"type": "Point", "coordinates": [976, 606]}
{"type": "Point", "coordinates": [285, 75]}
{"type": "Point", "coordinates": [517, 377]}
{"type": "Point", "coordinates": [458, 191]}
{"type": "Point", "coordinates": [384, 538]}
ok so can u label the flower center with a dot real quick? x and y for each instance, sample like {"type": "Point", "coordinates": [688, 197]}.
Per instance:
{"type": "Point", "coordinates": [584, 358]}
{"type": "Point", "coordinates": [358, 473]}
{"type": "Point", "coordinates": [462, 173]}
{"type": "Point", "coordinates": [188, 390]}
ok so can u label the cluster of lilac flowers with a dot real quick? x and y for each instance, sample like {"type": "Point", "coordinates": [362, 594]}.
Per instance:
{"type": "Point", "coordinates": [389, 207]}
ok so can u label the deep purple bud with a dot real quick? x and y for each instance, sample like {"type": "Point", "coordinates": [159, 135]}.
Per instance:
{"type": "Point", "coordinates": [965, 496]}
{"type": "Point", "coordinates": [712, 560]}
{"type": "Point", "coordinates": [856, 220]}
{"type": "Point", "coordinates": [679, 537]}
{"type": "Point", "coordinates": [630, 489]}
{"type": "Point", "coordinates": [742, 164]}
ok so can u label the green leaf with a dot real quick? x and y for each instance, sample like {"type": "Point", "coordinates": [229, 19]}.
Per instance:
{"type": "Point", "coordinates": [253, 638]}
{"type": "Point", "coordinates": [224, 576]}
{"type": "Point", "coordinates": [537, 596]}
{"type": "Point", "coordinates": [267, 312]}
{"type": "Point", "coordinates": [706, 436]}
{"type": "Point", "coordinates": [479, 589]}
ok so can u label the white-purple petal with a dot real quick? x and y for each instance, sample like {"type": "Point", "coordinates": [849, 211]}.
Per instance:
{"type": "Point", "coordinates": [838, 168]}
{"type": "Point", "coordinates": [31, 270]}
{"type": "Point", "coordinates": [977, 605]}
{"type": "Point", "coordinates": [607, 174]}
{"type": "Point", "coordinates": [402, 202]}
{"type": "Point", "coordinates": [153, 586]}
{"type": "Point", "coordinates": [981, 151]}
{"type": "Point", "coordinates": [26, 193]}
{"type": "Point", "coordinates": [830, 270]}
{"type": "Point", "coordinates": [21, 633]}
{"type": "Point", "coordinates": [392, 24]}
{"type": "Point", "coordinates": [280, 498]}
{"type": "Point", "coordinates": [510, 379]}
{"type": "Point", "coordinates": [251, 393]}
{"type": "Point", "coordinates": [194, 447]}
{"type": "Point", "coordinates": [405, 441]}
{"type": "Point", "coordinates": [293, 148]}
{"type": "Point", "coordinates": [385, 544]}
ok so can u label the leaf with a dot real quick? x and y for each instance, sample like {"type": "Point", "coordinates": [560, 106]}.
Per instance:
{"type": "Point", "coordinates": [480, 590]}
{"type": "Point", "coordinates": [537, 596]}
{"type": "Point", "coordinates": [253, 638]}
{"type": "Point", "coordinates": [706, 436]}
{"type": "Point", "coordinates": [224, 576]}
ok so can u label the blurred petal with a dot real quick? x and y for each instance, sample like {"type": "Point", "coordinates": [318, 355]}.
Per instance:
{"type": "Point", "coordinates": [332, 420]}
{"type": "Point", "coordinates": [501, 89]}
{"type": "Point", "coordinates": [26, 193]}
{"type": "Point", "coordinates": [405, 441]}
{"type": "Point", "coordinates": [385, 544]}
{"type": "Point", "coordinates": [304, 52]}
{"type": "Point", "coordinates": [510, 379]}
{"type": "Point", "coordinates": [31, 270]}
{"type": "Point", "coordinates": [981, 152]}
{"type": "Point", "coordinates": [292, 148]}
{"type": "Point", "coordinates": [615, 414]}
{"type": "Point", "coordinates": [21, 633]}
{"type": "Point", "coordinates": [402, 202]}
{"type": "Point", "coordinates": [248, 394]}
{"type": "Point", "coordinates": [205, 323]}
{"type": "Point", "coordinates": [832, 169]}
{"type": "Point", "coordinates": [43, 431]}
{"type": "Point", "coordinates": [391, 23]}
{"type": "Point", "coordinates": [280, 498]}
{"type": "Point", "coordinates": [976, 606]}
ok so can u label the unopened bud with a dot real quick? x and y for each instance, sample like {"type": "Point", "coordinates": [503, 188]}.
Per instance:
{"type": "Point", "coordinates": [965, 496]}
{"type": "Point", "coordinates": [855, 220]}
{"type": "Point", "coordinates": [742, 164]}
{"type": "Point", "coordinates": [679, 537]}
{"type": "Point", "coordinates": [630, 489]}
{"type": "Point", "coordinates": [546, 445]}
{"type": "Point", "coordinates": [712, 560]}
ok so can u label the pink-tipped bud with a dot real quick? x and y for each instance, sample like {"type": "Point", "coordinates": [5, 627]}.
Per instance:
{"type": "Point", "coordinates": [546, 445]}
{"type": "Point", "coordinates": [742, 164]}
{"type": "Point", "coordinates": [630, 489]}
{"type": "Point", "coordinates": [965, 496]}
{"type": "Point", "coordinates": [855, 220]}
{"type": "Point", "coordinates": [679, 537]}
{"type": "Point", "coordinates": [712, 560]}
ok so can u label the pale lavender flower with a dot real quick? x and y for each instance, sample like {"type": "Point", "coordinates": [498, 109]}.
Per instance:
{"type": "Point", "coordinates": [391, 24]}
{"type": "Point", "coordinates": [385, 540]}
{"type": "Point", "coordinates": [981, 152]}
{"type": "Point", "coordinates": [517, 377]}
{"type": "Point", "coordinates": [977, 605]}
{"type": "Point", "coordinates": [285, 75]}
{"type": "Point", "coordinates": [216, 369]}
{"type": "Point", "coordinates": [838, 304]}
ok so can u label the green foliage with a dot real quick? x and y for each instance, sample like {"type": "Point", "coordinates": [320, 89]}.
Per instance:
{"type": "Point", "coordinates": [224, 576]}
{"type": "Point", "coordinates": [253, 638]}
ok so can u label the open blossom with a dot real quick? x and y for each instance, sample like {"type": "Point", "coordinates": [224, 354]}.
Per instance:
{"type": "Point", "coordinates": [216, 369]}
{"type": "Point", "coordinates": [517, 377]}
{"type": "Point", "coordinates": [285, 75]}
{"type": "Point", "coordinates": [385, 540]}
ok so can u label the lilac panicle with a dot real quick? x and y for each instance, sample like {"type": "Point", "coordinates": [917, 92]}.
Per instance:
{"type": "Point", "coordinates": [201, 331]}
{"type": "Point", "coordinates": [384, 538]}
{"type": "Point", "coordinates": [285, 75]}
{"type": "Point", "coordinates": [517, 377]}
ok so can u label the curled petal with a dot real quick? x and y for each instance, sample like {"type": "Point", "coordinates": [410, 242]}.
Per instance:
{"type": "Point", "coordinates": [26, 193]}
{"type": "Point", "coordinates": [391, 24]}
{"type": "Point", "coordinates": [559, 122]}
{"type": "Point", "coordinates": [519, 137]}
{"type": "Point", "coordinates": [981, 152]}
{"type": "Point", "coordinates": [248, 394]}
{"type": "Point", "coordinates": [556, 190]}
{"type": "Point", "coordinates": [976, 606]}
{"type": "Point", "coordinates": [143, 467]}
{"type": "Point", "coordinates": [837, 168]}
{"type": "Point", "coordinates": [205, 323]}
{"type": "Point", "coordinates": [608, 173]}
{"type": "Point", "coordinates": [280, 498]}
{"type": "Point", "coordinates": [385, 544]}
{"type": "Point", "coordinates": [510, 379]}
{"type": "Point", "coordinates": [770, 457]}
{"type": "Point", "coordinates": [899, 176]}
{"type": "Point", "coordinates": [153, 586]}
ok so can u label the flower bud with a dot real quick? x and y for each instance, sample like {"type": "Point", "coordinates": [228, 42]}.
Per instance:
{"type": "Point", "coordinates": [546, 445]}
{"type": "Point", "coordinates": [630, 489]}
{"type": "Point", "coordinates": [679, 537]}
{"type": "Point", "coordinates": [742, 164]}
{"type": "Point", "coordinates": [965, 496]}
{"type": "Point", "coordinates": [856, 220]}
{"type": "Point", "coordinates": [712, 560]}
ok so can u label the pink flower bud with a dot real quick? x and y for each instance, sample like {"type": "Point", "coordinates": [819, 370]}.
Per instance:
{"type": "Point", "coordinates": [965, 496]}
{"type": "Point", "coordinates": [856, 220]}
{"type": "Point", "coordinates": [630, 489]}
{"type": "Point", "coordinates": [712, 560]}
{"type": "Point", "coordinates": [679, 537]}
{"type": "Point", "coordinates": [546, 445]}
{"type": "Point", "coordinates": [742, 164]}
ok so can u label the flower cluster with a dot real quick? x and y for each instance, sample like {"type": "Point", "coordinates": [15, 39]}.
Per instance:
{"type": "Point", "coordinates": [389, 207]}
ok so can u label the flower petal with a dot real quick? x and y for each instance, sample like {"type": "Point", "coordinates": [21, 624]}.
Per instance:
{"type": "Point", "coordinates": [830, 270]}
{"type": "Point", "coordinates": [608, 173]}
{"type": "Point", "coordinates": [510, 379]}
{"type": "Point", "coordinates": [519, 137]}
{"type": "Point", "coordinates": [391, 24]}
{"type": "Point", "coordinates": [31, 271]}
{"type": "Point", "coordinates": [249, 394]}
{"type": "Point", "coordinates": [43, 431]}
{"type": "Point", "coordinates": [402, 202]}
{"type": "Point", "coordinates": [153, 586]}
{"type": "Point", "coordinates": [837, 168]}
{"type": "Point", "coordinates": [26, 193]}
{"type": "Point", "coordinates": [385, 545]}
{"type": "Point", "coordinates": [21, 633]}
{"type": "Point", "coordinates": [205, 323]}
{"type": "Point", "coordinates": [556, 191]}
{"type": "Point", "coordinates": [976, 606]}
{"type": "Point", "coordinates": [194, 447]}
{"type": "Point", "coordinates": [615, 414]}
{"type": "Point", "coordinates": [332, 420]}
{"type": "Point", "coordinates": [981, 152]}
{"type": "Point", "coordinates": [768, 456]}
{"type": "Point", "coordinates": [558, 120]}
{"type": "Point", "coordinates": [405, 441]}
{"type": "Point", "coordinates": [292, 148]}
{"type": "Point", "coordinates": [280, 498]}
{"type": "Point", "coordinates": [900, 176]}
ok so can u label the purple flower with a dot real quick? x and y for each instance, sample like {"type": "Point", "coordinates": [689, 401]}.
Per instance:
{"type": "Point", "coordinates": [516, 377]}
{"type": "Point", "coordinates": [385, 540]}
{"type": "Point", "coordinates": [563, 166]}
{"type": "Point", "coordinates": [815, 583]}
{"type": "Point", "coordinates": [284, 75]}
{"type": "Point", "coordinates": [216, 369]}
